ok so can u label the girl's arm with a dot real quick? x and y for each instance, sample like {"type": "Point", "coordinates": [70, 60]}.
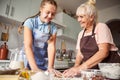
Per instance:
{"type": "Point", "coordinates": [28, 48]}
{"type": "Point", "coordinates": [51, 51]}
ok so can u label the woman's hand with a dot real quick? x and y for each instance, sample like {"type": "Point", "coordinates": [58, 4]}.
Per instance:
{"type": "Point", "coordinates": [54, 72]}
{"type": "Point", "coordinates": [74, 71]}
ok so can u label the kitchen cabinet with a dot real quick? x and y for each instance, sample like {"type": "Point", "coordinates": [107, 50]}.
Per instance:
{"type": "Point", "coordinates": [4, 7]}
{"type": "Point", "coordinates": [15, 9]}
{"type": "Point", "coordinates": [72, 27]}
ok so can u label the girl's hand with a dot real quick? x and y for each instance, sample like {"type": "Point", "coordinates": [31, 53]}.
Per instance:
{"type": "Point", "coordinates": [72, 72]}
{"type": "Point", "coordinates": [55, 72]}
{"type": "Point", "coordinates": [36, 70]}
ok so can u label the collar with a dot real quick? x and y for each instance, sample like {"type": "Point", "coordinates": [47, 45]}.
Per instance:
{"type": "Point", "coordinates": [40, 22]}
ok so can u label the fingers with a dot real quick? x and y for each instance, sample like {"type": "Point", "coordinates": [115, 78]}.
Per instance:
{"type": "Point", "coordinates": [70, 72]}
{"type": "Point", "coordinates": [57, 73]}
{"type": "Point", "coordinates": [66, 71]}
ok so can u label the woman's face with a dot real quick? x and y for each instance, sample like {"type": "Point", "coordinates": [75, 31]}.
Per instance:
{"type": "Point", "coordinates": [48, 12]}
{"type": "Point", "coordinates": [84, 21]}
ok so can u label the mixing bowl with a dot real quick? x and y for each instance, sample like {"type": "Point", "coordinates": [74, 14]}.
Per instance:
{"type": "Point", "coordinates": [110, 70]}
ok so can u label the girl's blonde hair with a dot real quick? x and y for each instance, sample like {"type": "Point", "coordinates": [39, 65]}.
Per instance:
{"type": "Point", "coordinates": [43, 2]}
{"type": "Point", "coordinates": [53, 2]}
{"type": "Point", "coordinates": [88, 9]}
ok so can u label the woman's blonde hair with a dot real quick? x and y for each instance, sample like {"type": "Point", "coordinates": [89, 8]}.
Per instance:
{"type": "Point", "coordinates": [88, 9]}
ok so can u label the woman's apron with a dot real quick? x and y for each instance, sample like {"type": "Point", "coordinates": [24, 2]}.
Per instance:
{"type": "Point", "coordinates": [40, 46]}
{"type": "Point", "coordinates": [89, 47]}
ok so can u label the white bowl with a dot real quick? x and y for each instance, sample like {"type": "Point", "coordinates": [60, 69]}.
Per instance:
{"type": "Point", "coordinates": [91, 74]}
{"type": "Point", "coordinates": [110, 70]}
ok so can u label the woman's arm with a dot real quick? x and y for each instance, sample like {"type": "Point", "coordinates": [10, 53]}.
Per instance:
{"type": "Point", "coordinates": [75, 69]}
{"type": "Point", "coordinates": [51, 51]}
{"type": "Point", "coordinates": [98, 56]}
{"type": "Point", "coordinates": [79, 58]}
{"type": "Point", "coordinates": [28, 48]}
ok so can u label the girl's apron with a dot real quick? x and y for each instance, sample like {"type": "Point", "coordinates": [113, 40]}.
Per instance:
{"type": "Point", "coordinates": [89, 47]}
{"type": "Point", "coordinates": [40, 45]}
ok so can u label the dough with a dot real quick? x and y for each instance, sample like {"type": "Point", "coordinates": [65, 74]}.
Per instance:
{"type": "Point", "coordinates": [40, 76]}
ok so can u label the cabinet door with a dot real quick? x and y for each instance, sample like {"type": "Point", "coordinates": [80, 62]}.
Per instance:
{"type": "Point", "coordinates": [20, 9]}
{"type": "Point", "coordinates": [4, 7]}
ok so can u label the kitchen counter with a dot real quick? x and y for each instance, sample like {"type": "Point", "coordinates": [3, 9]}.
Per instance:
{"type": "Point", "coordinates": [42, 76]}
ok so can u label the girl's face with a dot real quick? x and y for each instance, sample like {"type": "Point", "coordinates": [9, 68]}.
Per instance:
{"type": "Point", "coordinates": [48, 12]}
{"type": "Point", "coordinates": [84, 21]}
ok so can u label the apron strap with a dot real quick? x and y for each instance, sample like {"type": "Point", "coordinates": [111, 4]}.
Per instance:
{"type": "Point", "coordinates": [93, 30]}
{"type": "Point", "coordinates": [83, 33]}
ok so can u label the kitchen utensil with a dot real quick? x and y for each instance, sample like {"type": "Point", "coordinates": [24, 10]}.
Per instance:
{"type": "Point", "coordinates": [4, 51]}
{"type": "Point", "coordinates": [91, 74]}
{"type": "Point", "coordinates": [5, 34]}
{"type": "Point", "coordinates": [20, 29]}
{"type": "Point", "coordinates": [17, 60]}
{"type": "Point", "coordinates": [59, 55]}
{"type": "Point", "coordinates": [70, 54]}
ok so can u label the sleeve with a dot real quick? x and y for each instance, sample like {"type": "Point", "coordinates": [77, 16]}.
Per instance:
{"type": "Point", "coordinates": [78, 40]}
{"type": "Point", "coordinates": [28, 23]}
{"type": "Point", "coordinates": [54, 29]}
{"type": "Point", "coordinates": [104, 34]}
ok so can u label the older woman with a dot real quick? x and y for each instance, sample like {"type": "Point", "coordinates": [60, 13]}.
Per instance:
{"type": "Point", "coordinates": [95, 43]}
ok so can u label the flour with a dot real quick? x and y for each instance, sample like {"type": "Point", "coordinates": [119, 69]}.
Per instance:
{"type": "Point", "coordinates": [39, 76]}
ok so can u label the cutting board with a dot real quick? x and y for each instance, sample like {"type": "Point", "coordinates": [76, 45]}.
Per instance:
{"type": "Point", "coordinates": [9, 77]}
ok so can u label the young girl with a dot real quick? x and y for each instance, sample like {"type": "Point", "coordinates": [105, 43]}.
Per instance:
{"type": "Point", "coordinates": [40, 37]}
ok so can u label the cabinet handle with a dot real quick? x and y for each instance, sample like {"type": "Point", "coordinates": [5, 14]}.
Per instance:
{"type": "Point", "coordinates": [12, 11]}
{"type": "Point", "coordinates": [7, 9]}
